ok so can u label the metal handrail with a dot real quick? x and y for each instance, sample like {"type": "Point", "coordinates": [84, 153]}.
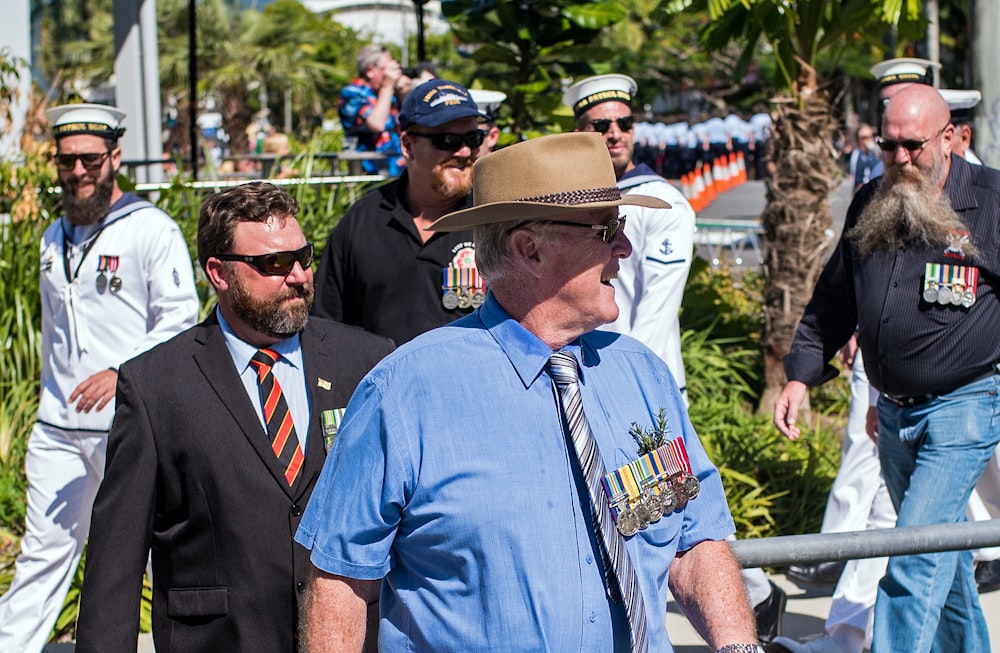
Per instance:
{"type": "Point", "coordinates": [876, 543]}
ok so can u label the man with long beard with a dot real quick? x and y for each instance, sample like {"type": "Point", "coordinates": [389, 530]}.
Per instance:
{"type": "Point", "coordinates": [217, 441]}
{"type": "Point", "coordinates": [381, 269]}
{"type": "Point", "coordinates": [916, 271]}
{"type": "Point", "coordinates": [115, 279]}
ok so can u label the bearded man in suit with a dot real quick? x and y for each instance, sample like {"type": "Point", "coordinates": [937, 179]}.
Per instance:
{"type": "Point", "coordinates": [217, 441]}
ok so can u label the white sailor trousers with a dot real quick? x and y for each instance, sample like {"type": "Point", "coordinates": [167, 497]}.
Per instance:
{"type": "Point", "coordinates": [64, 470]}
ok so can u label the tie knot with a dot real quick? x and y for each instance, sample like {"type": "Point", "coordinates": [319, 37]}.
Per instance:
{"type": "Point", "coordinates": [264, 358]}
{"type": "Point", "coordinates": [564, 368]}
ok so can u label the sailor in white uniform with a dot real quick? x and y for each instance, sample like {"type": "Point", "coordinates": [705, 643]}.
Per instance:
{"type": "Point", "coordinates": [116, 279]}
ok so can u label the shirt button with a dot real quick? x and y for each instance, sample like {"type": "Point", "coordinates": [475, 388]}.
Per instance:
{"type": "Point", "coordinates": [590, 559]}
{"type": "Point", "coordinates": [300, 587]}
{"type": "Point", "coordinates": [593, 617]}
{"type": "Point", "coordinates": [885, 320]}
{"type": "Point", "coordinates": [296, 511]}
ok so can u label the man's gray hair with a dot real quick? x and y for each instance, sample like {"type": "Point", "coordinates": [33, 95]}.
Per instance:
{"type": "Point", "coordinates": [493, 246]}
{"type": "Point", "coordinates": [369, 56]}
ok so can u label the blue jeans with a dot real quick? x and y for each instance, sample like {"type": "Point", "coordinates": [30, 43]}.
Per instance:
{"type": "Point", "coordinates": [932, 456]}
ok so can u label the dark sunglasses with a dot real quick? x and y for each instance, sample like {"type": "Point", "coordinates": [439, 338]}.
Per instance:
{"type": "Point", "coordinates": [277, 264]}
{"type": "Point", "coordinates": [911, 145]}
{"type": "Point", "coordinates": [602, 125]}
{"type": "Point", "coordinates": [91, 161]}
{"type": "Point", "coordinates": [453, 142]}
{"type": "Point", "coordinates": [610, 228]}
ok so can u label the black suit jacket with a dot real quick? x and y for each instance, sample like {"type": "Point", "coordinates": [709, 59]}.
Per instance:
{"type": "Point", "coordinates": [190, 474]}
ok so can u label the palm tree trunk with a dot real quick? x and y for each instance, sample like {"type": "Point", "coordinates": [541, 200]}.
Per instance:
{"type": "Point", "coordinates": [796, 221]}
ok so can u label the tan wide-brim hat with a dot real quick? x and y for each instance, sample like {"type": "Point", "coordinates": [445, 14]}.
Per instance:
{"type": "Point", "coordinates": [543, 177]}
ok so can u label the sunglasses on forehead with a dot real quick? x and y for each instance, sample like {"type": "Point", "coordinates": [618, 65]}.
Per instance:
{"type": "Point", "coordinates": [91, 161]}
{"type": "Point", "coordinates": [449, 142]}
{"type": "Point", "coordinates": [276, 264]}
{"type": "Point", "coordinates": [602, 125]}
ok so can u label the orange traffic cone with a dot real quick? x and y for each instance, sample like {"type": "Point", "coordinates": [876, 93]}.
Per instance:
{"type": "Point", "coordinates": [710, 192]}
{"type": "Point", "coordinates": [742, 164]}
{"type": "Point", "coordinates": [734, 171]}
{"type": "Point", "coordinates": [698, 198]}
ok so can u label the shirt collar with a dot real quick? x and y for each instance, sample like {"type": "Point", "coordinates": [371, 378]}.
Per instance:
{"type": "Point", "coordinates": [290, 349]}
{"type": "Point", "coordinates": [526, 351]}
{"type": "Point", "coordinates": [958, 186]}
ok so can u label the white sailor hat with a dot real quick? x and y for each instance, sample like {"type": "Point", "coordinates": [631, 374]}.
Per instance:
{"type": "Point", "coordinates": [904, 70]}
{"type": "Point", "coordinates": [96, 119]}
{"type": "Point", "coordinates": [961, 103]}
{"type": "Point", "coordinates": [602, 88]}
{"type": "Point", "coordinates": [488, 101]}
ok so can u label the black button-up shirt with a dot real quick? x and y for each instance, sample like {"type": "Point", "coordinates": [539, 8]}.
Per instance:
{"type": "Point", "coordinates": [910, 346]}
{"type": "Point", "coordinates": [378, 274]}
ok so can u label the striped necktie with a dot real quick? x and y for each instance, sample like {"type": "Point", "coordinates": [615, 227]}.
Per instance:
{"type": "Point", "coordinates": [280, 429]}
{"type": "Point", "coordinates": [619, 575]}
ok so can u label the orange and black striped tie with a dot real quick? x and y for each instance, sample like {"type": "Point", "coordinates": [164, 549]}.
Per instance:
{"type": "Point", "coordinates": [280, 428]}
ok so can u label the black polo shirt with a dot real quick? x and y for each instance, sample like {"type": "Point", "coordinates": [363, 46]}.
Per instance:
{"type": "Point", "coordinates": [378, 274]}
{"type": "Point", "coordinates": [911, 346]}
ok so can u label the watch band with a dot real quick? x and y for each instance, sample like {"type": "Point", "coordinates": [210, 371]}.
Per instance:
{"type": "Point", "coordinates": [741, 648]}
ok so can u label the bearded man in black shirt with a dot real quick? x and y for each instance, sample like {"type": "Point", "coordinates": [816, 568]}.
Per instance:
{"type": "Point", "coordinates": [917, 270]}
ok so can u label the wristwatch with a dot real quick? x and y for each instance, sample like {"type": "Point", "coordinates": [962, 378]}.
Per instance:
{"type": "Point", "coordinates": [741, 648]}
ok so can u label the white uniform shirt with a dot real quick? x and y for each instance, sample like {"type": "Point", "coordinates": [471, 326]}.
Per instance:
{"type": "Point", "coordinates": [86, 330]}
{"type": "Point", "coordinates": [651, 282]}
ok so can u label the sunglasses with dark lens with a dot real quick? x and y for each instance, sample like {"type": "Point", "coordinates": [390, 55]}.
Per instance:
{"type": "Point", "coordinates": [911, 145]}
{"type": "Point", "coordinates": [276, 264]}
{"type": "Point", "coordinates": [610, 228]}
{"type": "Point", "coordinates": [453, 142]}
{"type": "Point", "coordinates": [602, 125]}
{"type": "Point", "coordinates": [91, 161]}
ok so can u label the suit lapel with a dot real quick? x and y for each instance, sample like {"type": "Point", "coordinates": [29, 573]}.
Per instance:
{"type": "Point", "coordinates": [318, 370]}
{"type": "Point", "coordinates": [216, 363]}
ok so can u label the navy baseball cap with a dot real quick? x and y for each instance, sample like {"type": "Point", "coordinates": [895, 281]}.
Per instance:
{"type": "Point", "coordinates": [436, 102]}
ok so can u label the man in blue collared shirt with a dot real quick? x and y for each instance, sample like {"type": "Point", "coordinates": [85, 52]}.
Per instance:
{"type": "Point", "coordinates": [454, 485]}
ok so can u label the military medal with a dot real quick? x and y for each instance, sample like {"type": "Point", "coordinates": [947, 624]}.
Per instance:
{"type": "Point", "coordinates": [450, 300]}
{"type": "Point", "coordinates": [102, 279]}
{"type": "Point", "coordinates": [931, 271]}
{"type": "Point", "coordinates": [116, 282]}
{"type": "Point", "coordinates": [330, 421]}
{"type": "Point", "coordinates": [478, 298]}
{"type": "Point", "coordinates": [657, 483]}
{"type": "Point", "coordinates": [957, 284]}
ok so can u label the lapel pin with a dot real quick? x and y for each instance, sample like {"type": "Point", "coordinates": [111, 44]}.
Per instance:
{"type": "Point", "coordinates": [323, 384]}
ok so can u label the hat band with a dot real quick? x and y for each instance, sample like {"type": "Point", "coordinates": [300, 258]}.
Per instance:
{"type": "Point", "coordinates": [583, 104]}
{"type": "Point", "coordinates": [95, 128]}
{"type": "Point", "coordinates": [901, 78]}
{"type": "Point", "coordinates": [575, 197]}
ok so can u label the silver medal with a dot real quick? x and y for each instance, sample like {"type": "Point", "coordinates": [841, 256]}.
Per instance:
{"type": "Point", "coordinates": [115, 284]}
{"type": "Point", "coordinates": [101, 283]}
{"type": "Point", "coordinates": [478, 299]}
{"type": "Point", "coordinates": [930, 292]}
{"type": "Point", "coordinates": [956, 295]}
{"type": "Point", "coordinates": [450, 300]}
{"type": "Point", "coordinates": [628, 523]}
{"type": "Point", "coordinates": [464, 300]}
{"type": "Point", "coordinates": [944, 295]}
{"type": "Point", "coordinates": [968, 298]}
{"type": "Point", "coordinates": [692, 486]}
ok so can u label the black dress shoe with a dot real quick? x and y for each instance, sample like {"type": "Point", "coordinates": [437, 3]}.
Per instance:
{"type": "Point", "coordinates": [821, 573]}
{"type": "Point", "coordinates": [768, 614]}
{"type": "Point", "coordinates": [988, 576]}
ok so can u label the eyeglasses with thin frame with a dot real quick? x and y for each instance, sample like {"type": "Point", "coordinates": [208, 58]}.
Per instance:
{"type": "Point", "coordinates": [911, 145]}
{"type": "Point", "coordinates": [275, 264]}
{"type": "Point", "coordinates": [449, 142]}
{"type": "Point", "coordinates": [92, 161]}
{"type": "Point", "coordinates": [602, 125]}
{"type": "Point", "coordinates": [610, 228]}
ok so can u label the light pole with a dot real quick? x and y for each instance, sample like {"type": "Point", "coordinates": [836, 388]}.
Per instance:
{"type": "Point", "coordinates": [421, 46]}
